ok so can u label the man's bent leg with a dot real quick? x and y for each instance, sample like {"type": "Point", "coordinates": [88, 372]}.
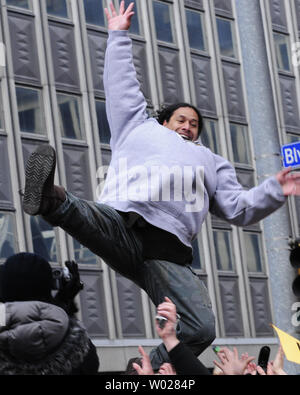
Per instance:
{"type": "Point", "coordinates": [101, 229]}
{"type": "Point", "coordinates": [196, 326]}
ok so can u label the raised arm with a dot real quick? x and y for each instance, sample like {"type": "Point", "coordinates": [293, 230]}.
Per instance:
{"type": "Point", "coordinates": [245, 207]}
{"type": "Point", "coordinates": [125, 103]}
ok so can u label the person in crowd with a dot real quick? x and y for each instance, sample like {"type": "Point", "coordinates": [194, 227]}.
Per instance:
{"type": "Point", "coordinates": [39, 332]}
{"type": "Point", "coordinates": [158, 190]}
{"type": "Point", "coordinates": [183, 360]}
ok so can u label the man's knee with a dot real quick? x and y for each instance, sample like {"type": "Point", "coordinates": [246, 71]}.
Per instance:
{"type": "Point", "coordinates": [201, 335]}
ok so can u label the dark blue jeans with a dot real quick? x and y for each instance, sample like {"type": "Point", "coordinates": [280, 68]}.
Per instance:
{"type": "Point", "coordinates": [103, 230]}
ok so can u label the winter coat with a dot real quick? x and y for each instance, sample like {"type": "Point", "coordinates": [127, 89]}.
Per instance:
{"type": "Point", "coordinates": [41, 339]}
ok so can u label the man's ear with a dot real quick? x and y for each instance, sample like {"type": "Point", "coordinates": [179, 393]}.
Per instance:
{"type": "Point", "coordinates": [165, 123]}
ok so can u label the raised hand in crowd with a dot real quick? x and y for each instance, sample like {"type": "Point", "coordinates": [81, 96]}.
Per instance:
{"type": "Point", "coordinates": [167, 309]}
{"type": "Point", "coordinates": [146, 368]}
{"type": "Point", "coordinates": [230, 363]}
{"type": "Point", "coordinates": [167, 369]}
{"type": "Point", "coordinates": [274, 367]}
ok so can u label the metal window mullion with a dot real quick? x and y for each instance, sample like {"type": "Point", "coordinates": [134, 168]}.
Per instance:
{"type": "Point", "coordinates": [11, 120]}
{"type": "Point", "coordinates": [20, 240]}
{"type": "Point", "coordinates": [184, 58]}
{"type": "Point", "coordinates": [94, 142]}
{"type": "Point", "coordinates": [268, 30]}
{"type": "Point", "coordinates": [244, 285]}
{"type": "Point", "coordinates": [217, 75]}
{"type": "Point", "coordinates": [151, 53]}
{"type": "Point", "coordinates": [294, 37]}
{"type": "Point", "coordinates": [118, 331]}
{"type": "Point", "coordinates": [148, 317]}
{"type": "Point", "coordinates": [155, 53]}
{"type": "Point", "coordinates": [48, 79]}
{"type": "Point", "coordinates": [186, 50]}
{"type": "Point", "coordinates": [249, 130]}
{"type": "Point", "coordinates": [211, 257]}
{"type": "Point", "coordinates": [212, 276]}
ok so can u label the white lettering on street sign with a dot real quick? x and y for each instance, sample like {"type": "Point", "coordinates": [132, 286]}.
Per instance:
{"type": "Point", "coordinates": [291, 155]}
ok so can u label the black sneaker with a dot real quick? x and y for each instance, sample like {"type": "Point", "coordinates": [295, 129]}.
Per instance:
{"type": "Point", "coordinates": [41, 195]}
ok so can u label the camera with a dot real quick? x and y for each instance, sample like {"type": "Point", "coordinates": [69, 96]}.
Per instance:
{"type": "Point", "coordinates": [60, 275]}
{"type": "Point", "coordinates": [161, 321]}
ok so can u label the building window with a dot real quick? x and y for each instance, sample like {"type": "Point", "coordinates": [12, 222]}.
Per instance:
{"type": "Point", "coordinates": [43, 239]}
{"type": "Point", "coordinates": [226, 38]}
{"type": "Point", "coordinates": [103, 126]}
{"type": "Point", "coordinates": [18, 3]}
{"type": "Point", "coordinates": [210, 137]}
{"type": "Point", "coordinates": [163, 24]}
{"type": "Point", "coordinates": [195, 30]}
{"type": "Point", "coordinates": [94, 12]}
{"type": "Point", "coordinates": [292, 138]}
{"type": "Point", "coordinates": [196, 264]}
{"type": "Point", "coordinates": [240, 143]}
{"type": "Point", "coordinates": [223, 250]}
{"type": "Point", "coordinates": [70, 116]}
{"type": "Point", "coordinates": [57, 8]}
{"type": "Point", "coordinates": [31, 118]}
{"type": "Point", "coordinates": [83, 255]}
{"type": "Point", "coordinates": [253, 250]}
{"type": "Point", "coordinates": [281, 42]}
{"type": "Point", "coordinates": [7, 236]}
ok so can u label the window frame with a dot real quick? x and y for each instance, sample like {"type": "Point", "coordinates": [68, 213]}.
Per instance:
{"type": "Point", "coordinates": [233, 37]}
{"type": "Point", "coordinates": [42, 109]}
{"type": "Point", "coordinates": [80, 114]}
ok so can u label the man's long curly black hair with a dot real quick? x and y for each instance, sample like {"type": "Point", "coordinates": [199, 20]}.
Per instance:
{"type": "Point", "coordinates": [165, 113]}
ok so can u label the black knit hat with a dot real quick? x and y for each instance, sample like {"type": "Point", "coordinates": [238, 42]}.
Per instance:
{"type": "Point", "coordinates": [24, 277]}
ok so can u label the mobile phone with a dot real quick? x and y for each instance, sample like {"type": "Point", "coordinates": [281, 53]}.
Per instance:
{"type": "Point", "coordinates": [161, 321]}
{"type": "Point", "coordinates": [263, 357]}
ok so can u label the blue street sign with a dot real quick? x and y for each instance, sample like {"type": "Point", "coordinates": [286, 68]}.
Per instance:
{"type": "Point", "coordinates": [291, 155]}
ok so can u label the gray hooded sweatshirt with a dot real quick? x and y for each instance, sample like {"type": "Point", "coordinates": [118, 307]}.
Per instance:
{"type": "Point", "coordinates": [172, 183]}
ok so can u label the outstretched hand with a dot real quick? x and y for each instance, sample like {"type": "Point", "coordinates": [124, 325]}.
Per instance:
{"type": "Point", "coordinates": [146, 368]}
{"type": "Point", "coordinates": [290, 182]}
{"type": "Point", "coordinates": [121, 21]}
{"type": "Point", "coordinates": [230, 363]}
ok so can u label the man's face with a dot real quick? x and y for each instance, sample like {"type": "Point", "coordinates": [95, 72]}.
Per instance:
{"type": "Point", "coordinates": [184, 121]}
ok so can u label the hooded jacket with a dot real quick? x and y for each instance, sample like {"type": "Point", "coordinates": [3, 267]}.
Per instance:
{"type": "Point", "coordinates": [38, 338]}
{"type": "Point", "coordinates": [172, 183]}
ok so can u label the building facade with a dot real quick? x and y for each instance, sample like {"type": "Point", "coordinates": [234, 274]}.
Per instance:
{"type": "Point", "coordinates": [238, 61]}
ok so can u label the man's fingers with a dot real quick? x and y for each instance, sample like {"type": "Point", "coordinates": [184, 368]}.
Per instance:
{"type": "Point", "coordinates": [218, 365]}
{"type": "Point", "coordinates": [137, 368]}
{"type": "Point", "coordinates": [168, 300]}
{"type": "Point", "coordinates": [283, 173]}
{"type": "Point", "coordinates": [260, 371]}
{"type": "Point", "coordinates": [129, 9]}
{"type": "Point", "coordinates": [113, 10]}
{"type": "Point", "coordinates": [249, 360]}
{"type": "Point", "coordinates": [142, 352]}
{"type": "Point", "coordinates": [107, 14]}
{"type": "Point", "coordinates": [122, 7]}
